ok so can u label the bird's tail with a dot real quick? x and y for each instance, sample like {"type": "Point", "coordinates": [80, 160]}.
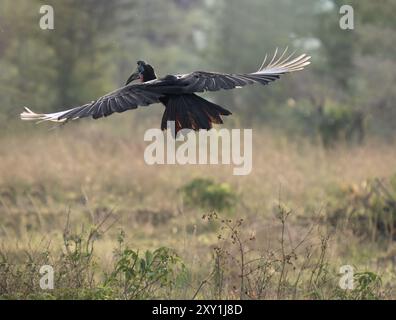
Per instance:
{"type": "Point", "coordinates": [190, 111]}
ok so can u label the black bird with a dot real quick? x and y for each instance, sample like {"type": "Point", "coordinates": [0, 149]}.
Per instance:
{"type": "Point", "coordinates": [176, 93]}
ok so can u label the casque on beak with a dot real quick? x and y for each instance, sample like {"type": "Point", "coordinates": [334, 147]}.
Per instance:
{"type": "Point", "coordinates": [134, 76]}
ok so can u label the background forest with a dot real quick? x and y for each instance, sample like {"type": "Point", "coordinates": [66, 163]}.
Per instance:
{"type": "Point", "coordinates": [322, 193]}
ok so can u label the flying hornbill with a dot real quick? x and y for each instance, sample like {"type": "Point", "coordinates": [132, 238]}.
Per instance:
{"type": "Point", "coordinates": [176, 93]}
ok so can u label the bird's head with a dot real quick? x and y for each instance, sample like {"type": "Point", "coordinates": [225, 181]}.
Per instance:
{"type": "Point", "coordinates": [144, 72]}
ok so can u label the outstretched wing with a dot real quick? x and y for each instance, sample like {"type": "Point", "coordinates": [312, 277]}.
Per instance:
{"type": "Point", "coordinates": [200, 81]}
{"type": "Point", "coordinates": [133, 95]}
{"type": "Point", "coordinates": [123, 99]}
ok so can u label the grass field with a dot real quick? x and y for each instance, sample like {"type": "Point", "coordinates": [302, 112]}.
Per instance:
{"type": "Point", "coordinates": [82, 199]}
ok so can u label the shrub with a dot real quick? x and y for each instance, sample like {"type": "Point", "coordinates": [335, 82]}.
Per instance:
{"type": "Point", "coordinates": [367, 286]}
{"type": "Point", "coordinates": [368, 209]}
{"type": "Point", "coordinates": [207, 194]}
{"type": "Point", "coordinates": [141, 276]}
{"type": "Point", "coordinates": [134, 276]}
{"type": "Point", "coordinates": [340, 123]}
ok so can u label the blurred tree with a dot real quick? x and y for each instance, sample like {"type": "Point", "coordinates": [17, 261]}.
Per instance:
{"type": "Point", "coordinates": [96, 43]}
{"type": "Point", "coordinates": [80, 42]}
{"type": "Point", "coordinates": [243, 32]}
{"type": "Point", "coordinates": [338, 45]}
{"type": "Point", "coordinates": [24, 67]}
{"type": "Point", "coordinates": [376, 63]}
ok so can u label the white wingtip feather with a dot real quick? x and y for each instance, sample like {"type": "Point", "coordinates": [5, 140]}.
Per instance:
{"type": "Point", "coordinates": [284, 65]}
{"type": "Point", "coordinates": [29, 115]}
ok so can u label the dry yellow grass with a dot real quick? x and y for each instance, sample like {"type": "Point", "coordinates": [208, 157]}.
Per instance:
{"type": "Point", "coordinates": [94, 167]}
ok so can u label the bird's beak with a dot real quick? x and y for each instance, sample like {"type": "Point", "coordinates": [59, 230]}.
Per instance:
{"type": "Point", "coordinates": [134, 76]}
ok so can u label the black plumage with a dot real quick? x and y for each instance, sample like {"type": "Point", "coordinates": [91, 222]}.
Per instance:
{"type": "Point", "coordinates": [176, 93]}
